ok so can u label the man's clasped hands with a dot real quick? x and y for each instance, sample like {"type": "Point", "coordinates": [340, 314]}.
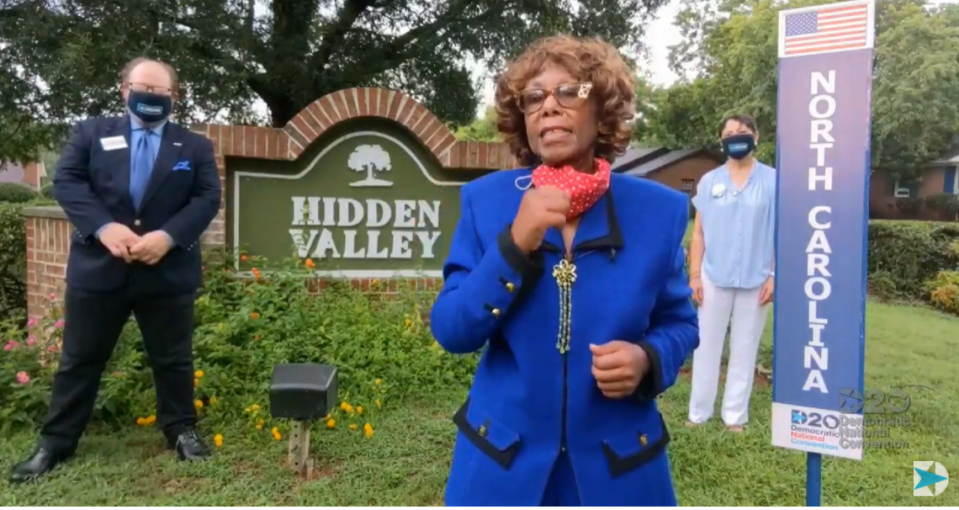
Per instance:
{"type": "Point", "coordinates": [124, 243]}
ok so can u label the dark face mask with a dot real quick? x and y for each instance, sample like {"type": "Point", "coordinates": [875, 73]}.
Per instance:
{"type": "Point", "coordinates": [149, 107]}
{"type": "Point", "coordinates": [739, 146]}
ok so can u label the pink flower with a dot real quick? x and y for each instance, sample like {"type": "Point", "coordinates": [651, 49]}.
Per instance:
{"type": "Point", "coordinates": [52, 348]}
{"type": "Point", "coordinates": [11, 345]}
{"type": "Point", "coordinates": [32, 322]}
{"type": "Point", "coordinates": [31, 340]}
{"type": "Point", "coordinates": [52, 296]}
{"type": "Point", "coordinates": [23, 378]}
{"type": "Point", "coordinates": [58, 324]}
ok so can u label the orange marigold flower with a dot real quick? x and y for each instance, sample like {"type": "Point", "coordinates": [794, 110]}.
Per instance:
{"type": "Point", "coordinates": [368, 430]}
{"type": "Point", "coordinates": [359, 409]}
{"type": "Point", "coordinates": [330, 423]}
{"type": "Point", "coordinates": [276, 434]}
{"type": "Point", "coordinates": [254, 315]}
{"type": "Point", "coordinates": [243, 257]}
{"type": "Point", "coordinates": [309, 263]}
{"type": "Point", "coordinates": [198, 404]}
{"type": "Point", "coordinates": [218, 440]}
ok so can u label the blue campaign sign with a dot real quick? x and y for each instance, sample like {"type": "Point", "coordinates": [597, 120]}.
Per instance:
{"type": "Point", "coordinates": [823, 131]}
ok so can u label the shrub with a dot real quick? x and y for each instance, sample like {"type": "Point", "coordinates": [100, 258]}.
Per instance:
{"type": "Point", "coordinates": [13, 261]}
{"type": "Point", "coordinates": [246, 325]}
{"type": "Point", "coordinates": [910, 207]}
{"type": "Point", "coordinates": [15, 193]}
{"type": "Point", "coordinates": [904, 255]}
{"type": "Point", "coordinates": [946, 204]}
{"type": "Point", "coordinates": [47, 192]}
{"type": "Point", "coordinates": [944, 291]}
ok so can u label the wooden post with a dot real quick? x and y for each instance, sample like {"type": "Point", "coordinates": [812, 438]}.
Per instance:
{"type": "Point", "coordinates": [299, 450]}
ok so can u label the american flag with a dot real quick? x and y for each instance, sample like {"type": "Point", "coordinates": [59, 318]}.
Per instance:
{"type": "Point", "coordinates": [843, 27]}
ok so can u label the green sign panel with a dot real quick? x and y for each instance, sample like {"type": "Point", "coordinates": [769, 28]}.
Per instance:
{"type": "Point", "coordinates": [367, 201]}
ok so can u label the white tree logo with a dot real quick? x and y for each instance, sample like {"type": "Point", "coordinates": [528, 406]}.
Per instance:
{"type": "Point", "coordinates": [370, 159]}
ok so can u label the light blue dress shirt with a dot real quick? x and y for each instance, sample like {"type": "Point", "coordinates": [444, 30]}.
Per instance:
{"type": "Point", "coordinates": [738, 226]}
{"type": "Point", "coordinates": [137, 132]}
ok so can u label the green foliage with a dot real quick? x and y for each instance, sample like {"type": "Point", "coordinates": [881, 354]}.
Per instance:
{"type": "Point", "coordinates": [47, 192]}
{"type": "Point", "coordinates": [482, 129]}
{"type": "Point", "coordinates": [16, 193]}
{"type": "Point", "coordinates": [731, 48]}
{"type": "Point", "coordinates": [244, 326]}
{"type": "Point", "coordinates": [946, 204]}
{"type": "Point", "coordinates": [13, 262]}
{"type": "Point", "coordinates": [27, 365]}
{"type": "Point", "coordinates": [286, 53]}
{"type": "Point", "coordinates": [904, 255]}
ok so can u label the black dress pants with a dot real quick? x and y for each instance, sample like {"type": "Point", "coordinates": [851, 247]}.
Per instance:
{"type": "Point", "coordinates": [93, 324]}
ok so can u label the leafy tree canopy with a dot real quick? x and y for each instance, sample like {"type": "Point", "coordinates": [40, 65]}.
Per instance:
{"type": "Point", "coordinates": [59, 58]}
{"type": "Point", "coordinates": [731, 49]}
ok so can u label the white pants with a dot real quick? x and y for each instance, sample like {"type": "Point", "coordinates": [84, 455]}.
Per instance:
{"type": "Point", "coordinates": [748, 320]}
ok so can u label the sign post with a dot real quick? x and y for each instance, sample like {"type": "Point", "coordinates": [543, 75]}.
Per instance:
{"type": "Point", "coordinates": [823, 161]}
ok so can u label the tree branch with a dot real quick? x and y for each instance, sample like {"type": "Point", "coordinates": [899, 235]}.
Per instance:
{"type": "Point", "coordinates": [347, 15]}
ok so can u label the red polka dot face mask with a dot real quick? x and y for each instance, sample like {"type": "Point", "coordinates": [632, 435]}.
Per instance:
{"type": "Point", "coordinates": [584, 189]}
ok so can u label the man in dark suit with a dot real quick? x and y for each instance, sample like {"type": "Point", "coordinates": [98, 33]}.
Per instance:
{"type": "Point", "coordinates": [139, 191]}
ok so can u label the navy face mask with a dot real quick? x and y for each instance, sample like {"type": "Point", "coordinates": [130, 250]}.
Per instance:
{"type": "Point", "coordinates": [739, 146]}
{"type": "Point", "coordinates": [149, 107]}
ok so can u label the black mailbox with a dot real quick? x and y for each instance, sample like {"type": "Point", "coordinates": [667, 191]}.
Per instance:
{"type": "Point", "coordinates": [302, 391]}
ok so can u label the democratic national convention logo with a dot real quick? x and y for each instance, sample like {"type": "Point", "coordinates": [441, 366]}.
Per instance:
{"type": "Point", "coordinates": [799, 417]}
{"type": "Point", "coordinates": [929, 478]}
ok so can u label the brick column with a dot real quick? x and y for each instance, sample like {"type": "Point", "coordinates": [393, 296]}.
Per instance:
{"type": "Point", "coordinates": [48, 243]}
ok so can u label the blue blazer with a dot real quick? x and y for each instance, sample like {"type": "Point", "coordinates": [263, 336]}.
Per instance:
{"type": "Point", "coordinates": [528, 402]}
{"type": "Point", "coordinates": [93, 187]}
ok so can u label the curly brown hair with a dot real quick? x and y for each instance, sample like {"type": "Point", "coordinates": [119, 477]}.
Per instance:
{"type": "Point", "coordinates": [586, 59]}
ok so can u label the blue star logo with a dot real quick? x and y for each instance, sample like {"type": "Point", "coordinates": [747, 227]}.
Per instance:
{"type": "Point", "coordinates": [798, 417]}
{"type": "Point", "coordinates": [850, 400]}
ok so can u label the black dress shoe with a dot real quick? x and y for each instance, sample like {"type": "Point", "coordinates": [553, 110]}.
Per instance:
{"type": "Point", "coordinates": [189, 446]}
{"type": "Point", "coordinates": [41, 462]}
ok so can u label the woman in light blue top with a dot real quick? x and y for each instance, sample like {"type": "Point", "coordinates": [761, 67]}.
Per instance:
{"type": "Point", "coordinates": [731, 272]}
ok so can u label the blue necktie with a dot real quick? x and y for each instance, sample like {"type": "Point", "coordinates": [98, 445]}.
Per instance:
{"type": "Point", "coordinates": [142, 168]}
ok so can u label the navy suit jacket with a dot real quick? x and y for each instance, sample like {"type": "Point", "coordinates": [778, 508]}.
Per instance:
{"type": "Point", "coordinates": [92, 184]}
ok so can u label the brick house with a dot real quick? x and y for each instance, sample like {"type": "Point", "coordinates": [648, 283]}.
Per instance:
{"type": "Point", "coordinates": [939, 177]}
{"type": "Point", "coordinates": [679, 169]}
{"type": "Point", "coordinates": [30, 174]}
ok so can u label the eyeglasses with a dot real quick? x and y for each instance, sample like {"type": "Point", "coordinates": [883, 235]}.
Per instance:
{"type": "Point", "coordinates": [141, 87]}
{"type": "Point", "coordinates": [568, 96]}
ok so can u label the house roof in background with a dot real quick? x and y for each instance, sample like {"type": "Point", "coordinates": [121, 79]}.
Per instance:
{"type": "Point", "coordinates": [952, 153]}
{"type": "Point", "coordinates": [642, 161]}
{"type": "Point", "coordinates": [11, 172]}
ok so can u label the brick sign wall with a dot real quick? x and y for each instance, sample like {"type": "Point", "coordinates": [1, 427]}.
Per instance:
{"type": "Point", "coordinates": [47, 227]}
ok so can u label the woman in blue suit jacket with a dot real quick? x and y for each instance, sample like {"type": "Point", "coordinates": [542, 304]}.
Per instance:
{"type": "Point", "coordinates": [573, 279]}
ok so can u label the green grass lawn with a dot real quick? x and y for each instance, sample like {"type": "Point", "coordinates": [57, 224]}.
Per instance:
{"type": "Point", "coordinates": [405, 463]}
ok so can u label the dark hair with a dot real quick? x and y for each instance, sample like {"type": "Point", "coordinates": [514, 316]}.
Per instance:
{"type": "Point", "coordinates": [741, 118]}
{"type": "Point", "coordinates": [131, 65]}
{"type": "Point", "coordinates": [587, 59]}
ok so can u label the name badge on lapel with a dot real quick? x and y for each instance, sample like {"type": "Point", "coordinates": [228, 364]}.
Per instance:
{"type": "Point", "coordinates": [112, 143]}
{"type": "Point", "coordinates": [182, 166]}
